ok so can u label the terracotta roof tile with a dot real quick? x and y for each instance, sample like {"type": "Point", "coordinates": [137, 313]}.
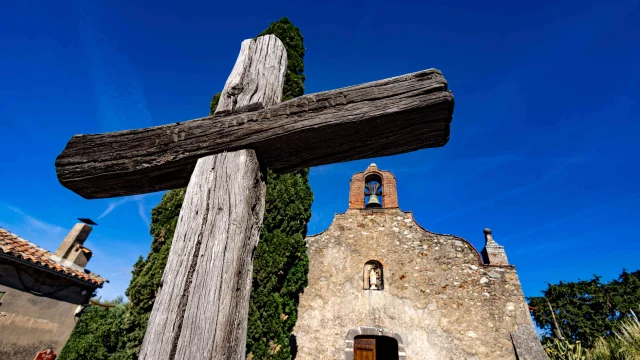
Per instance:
{"type": "Point", "coordinates": [17, 247]}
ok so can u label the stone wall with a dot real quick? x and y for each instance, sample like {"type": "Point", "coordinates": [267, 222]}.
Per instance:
{"type": "Point", "coordinates": [439, 300]}
{"type": "Point", "coordinates": [32, 322]}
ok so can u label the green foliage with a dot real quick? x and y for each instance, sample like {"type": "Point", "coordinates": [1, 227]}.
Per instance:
{"type": "Point", "coordinates": [97, 333]}
{"type": "Point", "coordinates": [623, 344]}
{"type": "Point", "coordinates": [563, 350]}
{"type": "Point", "coordinates": [586, 309]}
{"type": "Point", "coordinates": [215, 99]}
{"type": "Point", "coordinates": [280, 266]}
{"type": "Point", "coordinates": [147, 274]}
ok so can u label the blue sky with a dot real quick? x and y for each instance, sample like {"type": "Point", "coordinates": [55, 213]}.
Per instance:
{"type": "Point", "coordinates": [543, 145]}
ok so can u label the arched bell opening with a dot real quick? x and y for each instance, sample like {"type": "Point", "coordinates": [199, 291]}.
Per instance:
{"type": "Point", "coordinates": [373, 191]}
{"type": "Point", "coordinates": [373, 276]}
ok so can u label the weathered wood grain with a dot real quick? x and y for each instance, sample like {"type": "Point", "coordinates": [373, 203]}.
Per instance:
{"type": "Point", "coordinates": [202, 307]}
{"type": "Point", "coordinates": [249, 83]}
{"type": "Point", "coordinates": [386, 117]}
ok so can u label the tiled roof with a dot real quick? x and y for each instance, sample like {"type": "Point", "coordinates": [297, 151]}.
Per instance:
{"type": "Point", "coordinates": [17, 247]}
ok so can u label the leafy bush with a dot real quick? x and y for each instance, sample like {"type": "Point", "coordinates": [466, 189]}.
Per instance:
{"type": "Point", "coordinates": [97, 333]}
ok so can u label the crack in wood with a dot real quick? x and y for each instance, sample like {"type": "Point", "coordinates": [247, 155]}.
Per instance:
{"type": "Point", "coordinates": [187, 288]}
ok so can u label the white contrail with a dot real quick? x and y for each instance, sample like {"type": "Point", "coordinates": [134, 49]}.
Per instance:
{"type": "Point", "coordinates": [112, 205]}
{"type": "Point", "coordinates": [36, 223]}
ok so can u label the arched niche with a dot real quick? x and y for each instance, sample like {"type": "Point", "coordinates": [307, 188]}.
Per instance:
{"type": "Point", "coordinates": [373, 276]}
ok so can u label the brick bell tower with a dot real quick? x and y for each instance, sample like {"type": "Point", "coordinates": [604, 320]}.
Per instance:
{"type": "Point", "coordinates": [373, 182]}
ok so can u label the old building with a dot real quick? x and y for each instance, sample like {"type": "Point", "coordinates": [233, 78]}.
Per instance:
{"type": "Point", "coordinates": [383, 287]}
{"type": "Point", "coordinates": [42, 293]}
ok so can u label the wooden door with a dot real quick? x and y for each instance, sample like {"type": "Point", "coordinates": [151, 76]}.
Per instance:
{"type": "Point", "coordinates": [364, 349]}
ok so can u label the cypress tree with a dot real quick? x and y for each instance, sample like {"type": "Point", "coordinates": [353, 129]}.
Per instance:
{"type": "Point", "coordinates": [280, 267]}
{"type": "Point", "coordinates": [280, 261]}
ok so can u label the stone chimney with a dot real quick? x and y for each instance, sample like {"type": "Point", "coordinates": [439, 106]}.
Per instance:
{"type": "Point", "coordinates": [71, 253]}
{"type": "Point", "coordinates": [493, 253]}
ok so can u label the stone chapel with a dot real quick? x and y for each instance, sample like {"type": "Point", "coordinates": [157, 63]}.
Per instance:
{"type": "Point", "coordinates": [383, 287]}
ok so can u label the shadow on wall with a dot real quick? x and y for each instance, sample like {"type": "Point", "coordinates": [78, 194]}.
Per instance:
{"type": "Point", "coordinates": [293, 343]}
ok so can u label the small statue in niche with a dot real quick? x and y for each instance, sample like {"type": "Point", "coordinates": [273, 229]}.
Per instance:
{"type": "Point", "coordinates": [373, 279]}
{"type": "Point", "coordinates": [372, 276]}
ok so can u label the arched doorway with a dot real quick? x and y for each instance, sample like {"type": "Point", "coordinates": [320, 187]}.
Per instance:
{"type": "Point", "coordinates": [373, 343]}
{"type": "Point", "coordinates": [372, 347]}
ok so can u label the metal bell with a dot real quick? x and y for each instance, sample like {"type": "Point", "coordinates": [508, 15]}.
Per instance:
{"type": "Point", "coordinates": [373, 190]}
{"type": "Point", "coordinates": [373, 201]}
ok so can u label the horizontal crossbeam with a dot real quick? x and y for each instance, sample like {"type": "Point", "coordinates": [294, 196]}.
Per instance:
{"type": "Point", "coordinates": [385, 117]}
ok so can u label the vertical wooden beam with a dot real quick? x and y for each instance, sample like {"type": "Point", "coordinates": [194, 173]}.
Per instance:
{"type": "Point", "coordinates": [201, 308]}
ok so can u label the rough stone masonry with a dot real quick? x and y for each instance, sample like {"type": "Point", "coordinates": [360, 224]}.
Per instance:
{"type": "Point", "coordinates": [439, 300]}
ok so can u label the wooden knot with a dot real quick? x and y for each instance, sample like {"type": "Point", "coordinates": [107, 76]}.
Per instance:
{"type": "Point", "coordinates": [235, 90]}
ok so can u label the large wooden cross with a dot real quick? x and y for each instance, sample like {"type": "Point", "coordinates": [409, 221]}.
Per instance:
{"type": "Point", "coordinates": [200, 311]}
